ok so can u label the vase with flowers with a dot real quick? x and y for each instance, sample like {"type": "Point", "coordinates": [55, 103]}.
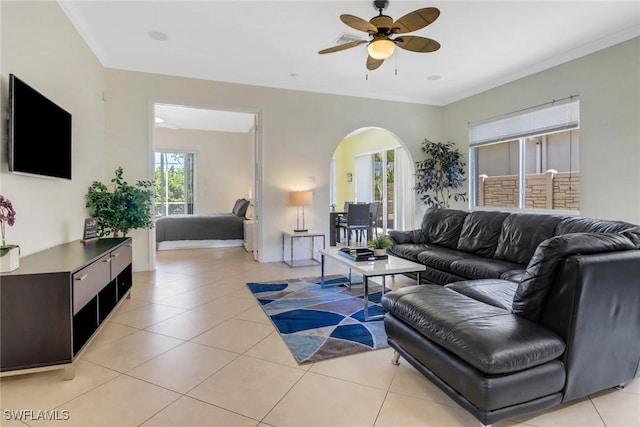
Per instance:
{"type": "Point", "coordinates": [9, 254]}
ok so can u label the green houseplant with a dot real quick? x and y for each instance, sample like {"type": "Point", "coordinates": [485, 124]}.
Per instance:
{"type": "Point", "coordinates": [380, 244]}
{"type": "Point", "coordinates": [123, 208]}
{"type": "Point", "coordinates": [440, 175]}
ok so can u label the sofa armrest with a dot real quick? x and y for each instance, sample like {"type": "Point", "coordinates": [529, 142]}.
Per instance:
{"type": "Point", "coordinates": [594, 306]}
{"type": "Point", "coordinates": [547, 259]}
{"type": "Point", "coordinates": [400, 237]}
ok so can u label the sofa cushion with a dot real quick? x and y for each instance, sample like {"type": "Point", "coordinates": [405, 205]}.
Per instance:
{"type": "Point", "coordinates": [434, 275]}
{"type": "Point", "coordinates": [633, 234]}
{"type": "Point", "coordinates": [537, 280]}
{"type": "Point", "coordinates": [521, 233]}
{"type": "Point", "coordinates": [440, 258]}
{"type": "Point", "coordinates": [513, 275]}
{"type": "Point", "coordinates": [480, 232]}
{"type": "Point", "coordinates": [489, 338]}
{"type": "Point", "coordinates": [590, 225]}
{"type": "Point", "coordinates": [442, 226]}
{"type": "Point", "coordinates": [496, 292]}
{"type": "Point", "coordinates": [474, 267]}
{"type": "Point", "coordinates": [408, 251]}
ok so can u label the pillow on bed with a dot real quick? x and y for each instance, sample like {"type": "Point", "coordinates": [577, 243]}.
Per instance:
{"type": "Point", "coordinates": [240, 207]}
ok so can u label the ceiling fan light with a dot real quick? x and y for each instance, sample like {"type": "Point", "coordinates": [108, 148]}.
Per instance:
{"type": "Point", "coordinates": [381, 49]}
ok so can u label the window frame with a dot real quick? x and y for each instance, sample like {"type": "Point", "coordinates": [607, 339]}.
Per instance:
{"type": "Point", "coordinates": [493, 133]}
{"type": "Point", "coordinates": [193, 155]}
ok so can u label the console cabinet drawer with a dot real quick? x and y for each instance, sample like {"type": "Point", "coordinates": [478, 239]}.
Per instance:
{"type": "Point", "coordinates": [89, 281]}
{"type": "Point", "coordinates": [120, 259]}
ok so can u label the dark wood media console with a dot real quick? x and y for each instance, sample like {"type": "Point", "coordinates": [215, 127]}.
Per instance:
{"type": "Point", "coordinates": [56, 301]}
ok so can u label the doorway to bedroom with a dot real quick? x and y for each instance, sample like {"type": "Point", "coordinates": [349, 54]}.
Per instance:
{"type": "Point", "coordinates": [205, 162]}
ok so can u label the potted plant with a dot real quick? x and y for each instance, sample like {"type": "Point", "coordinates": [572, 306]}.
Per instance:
{"type": "Point", "coordinates": [440, 175]}
{"type": "Point", "coordinates": [126, 207]}
{"type": "Point", "coordinates": [380, 244]}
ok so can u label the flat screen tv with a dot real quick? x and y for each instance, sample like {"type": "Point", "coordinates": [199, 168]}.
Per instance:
{"type": "Point", "coordinates": [39, 133]}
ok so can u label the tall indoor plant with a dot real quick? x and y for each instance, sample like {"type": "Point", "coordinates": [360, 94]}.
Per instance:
{"type": "Point", "coordinates": [124, 208]}
{"type": "Point", "coordinates": [440, 176]}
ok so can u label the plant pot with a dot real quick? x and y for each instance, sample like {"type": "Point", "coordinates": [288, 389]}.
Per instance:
{"type": "Point", "coordinates": [379, 252]}
{"type": "Point", "coordinates": [10, 260]}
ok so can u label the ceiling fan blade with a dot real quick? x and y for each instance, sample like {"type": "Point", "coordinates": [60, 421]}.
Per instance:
{"type": "Point", "coordinates": [342, 46]}
{"type": "Point", "coordinates": [417, 44]}
{"type": "Point", "coordinates": [372, 63]}
{"type": "Point", "coordinates": [359, 24]}
{"type": "Point", "coordinates": [415, 20]}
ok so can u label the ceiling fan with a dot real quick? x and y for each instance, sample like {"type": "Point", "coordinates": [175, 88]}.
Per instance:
{"type": "Point", "coordinates": [385, 34]}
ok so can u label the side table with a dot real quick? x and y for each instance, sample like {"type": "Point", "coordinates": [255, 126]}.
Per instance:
{"type": "Point", "coordinates": [291, 236]}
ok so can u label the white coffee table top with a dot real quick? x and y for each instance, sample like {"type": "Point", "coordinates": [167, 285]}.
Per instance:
{"type": "Point", "coordinates": [383, 267]}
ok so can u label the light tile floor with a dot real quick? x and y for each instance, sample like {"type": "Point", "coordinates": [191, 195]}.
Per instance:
{"type": "Point", "coordinates": [193, 348]}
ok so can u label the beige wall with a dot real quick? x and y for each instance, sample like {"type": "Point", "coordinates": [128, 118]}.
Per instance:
{"type": "Point", "coordinates": [609, 88]}
{"type": "Point", "coordinates": [223, 164]}
{"type": "Point", "coordinates": [300, 132]}
{"type": "Point", "coordinates": [42, 48]}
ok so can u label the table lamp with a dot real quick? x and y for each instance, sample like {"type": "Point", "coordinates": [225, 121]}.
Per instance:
{"type": "Point", "coordinates": [298, 199]}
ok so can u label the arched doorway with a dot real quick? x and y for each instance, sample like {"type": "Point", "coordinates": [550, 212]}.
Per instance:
{"type": "Point", "coordinates": [372, 165]}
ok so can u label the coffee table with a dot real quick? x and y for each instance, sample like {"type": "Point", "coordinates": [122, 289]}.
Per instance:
{"type": "Point", "coordinates": [380, 268]}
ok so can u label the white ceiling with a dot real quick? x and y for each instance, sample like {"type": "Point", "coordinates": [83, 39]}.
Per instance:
{"type": "Point", "coordinates": [180, 117]}
{"type": "Point", "coordinates": [275, 43]}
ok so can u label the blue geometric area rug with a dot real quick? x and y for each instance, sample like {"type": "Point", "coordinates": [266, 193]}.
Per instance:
{"type": "Point", "coordinates": [322, 323]}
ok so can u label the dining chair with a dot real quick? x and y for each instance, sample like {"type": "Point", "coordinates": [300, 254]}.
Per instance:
{"type": "Point", "coordinates": [357, 221]}
{"type": "Point", "coordinates": [342, 219]}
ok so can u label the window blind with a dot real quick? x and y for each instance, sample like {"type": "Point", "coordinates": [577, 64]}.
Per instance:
{"type": "Point", "coordinates": [535, 121]}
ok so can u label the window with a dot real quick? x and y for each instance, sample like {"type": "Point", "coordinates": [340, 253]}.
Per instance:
{"type": "Point", "coordinates": [174, 183]}
{"type": "Point", "coordinates": [527, 160]}
{"type": "Point", "coordinates": [375, 177]}
{"type": "Point", "coordinates": [384, 172]}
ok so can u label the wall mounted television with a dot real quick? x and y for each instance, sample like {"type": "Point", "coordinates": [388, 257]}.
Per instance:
{"type": "Point", "coordinates": [39, 133]}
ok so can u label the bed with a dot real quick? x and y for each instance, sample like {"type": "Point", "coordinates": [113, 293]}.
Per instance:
{"type": "Point", "coordinates": [217, 226]}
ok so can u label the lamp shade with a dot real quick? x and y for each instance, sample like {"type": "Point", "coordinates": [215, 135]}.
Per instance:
{"type": "Point", "coordinates": [381, 48]}
{"type": "Point", "coordinates": [300, 198]}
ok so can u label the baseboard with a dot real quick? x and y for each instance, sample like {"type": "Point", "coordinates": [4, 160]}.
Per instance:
{"type": "Point", "coordinates": [199, 244]}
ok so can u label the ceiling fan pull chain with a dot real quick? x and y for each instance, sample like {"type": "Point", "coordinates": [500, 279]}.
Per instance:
{"type": "Point", "coordinates": [397, 54]}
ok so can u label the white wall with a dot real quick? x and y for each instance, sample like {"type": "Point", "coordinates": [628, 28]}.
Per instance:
{"type": "Point", "coordinates": [42, 48]}
{"type": "Point", "coordinates": [608, 84]}
{"type": "Point", "coordinates": [223, 164]}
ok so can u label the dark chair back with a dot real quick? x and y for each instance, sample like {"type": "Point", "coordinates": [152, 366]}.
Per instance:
{"type": "Point", "coordinates": [358, 216]}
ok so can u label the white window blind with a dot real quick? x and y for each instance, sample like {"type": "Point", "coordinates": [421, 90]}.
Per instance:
{"type": "Point", "coordinates": [547, 119]}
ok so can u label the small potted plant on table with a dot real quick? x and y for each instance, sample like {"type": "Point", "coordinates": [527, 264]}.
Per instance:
{"type": "Point", "coordinates": [380, 244]}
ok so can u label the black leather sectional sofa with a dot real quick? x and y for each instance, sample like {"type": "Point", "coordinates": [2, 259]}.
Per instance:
{"type": "Point", "coordinates": [518, 312]}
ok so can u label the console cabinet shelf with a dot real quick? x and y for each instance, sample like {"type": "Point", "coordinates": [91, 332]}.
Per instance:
{"type": "Point", "coordinates": [55, 302]}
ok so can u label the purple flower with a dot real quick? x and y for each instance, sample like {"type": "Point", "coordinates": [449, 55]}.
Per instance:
{"type": "Point", "coordinates": [7, 215]}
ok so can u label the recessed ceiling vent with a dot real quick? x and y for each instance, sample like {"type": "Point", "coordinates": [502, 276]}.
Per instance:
{"type": "Point", "coordinates": [348, 38]}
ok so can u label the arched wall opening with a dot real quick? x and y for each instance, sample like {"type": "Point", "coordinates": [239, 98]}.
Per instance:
{"type": "Point", "coordinates": [372, 164]}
